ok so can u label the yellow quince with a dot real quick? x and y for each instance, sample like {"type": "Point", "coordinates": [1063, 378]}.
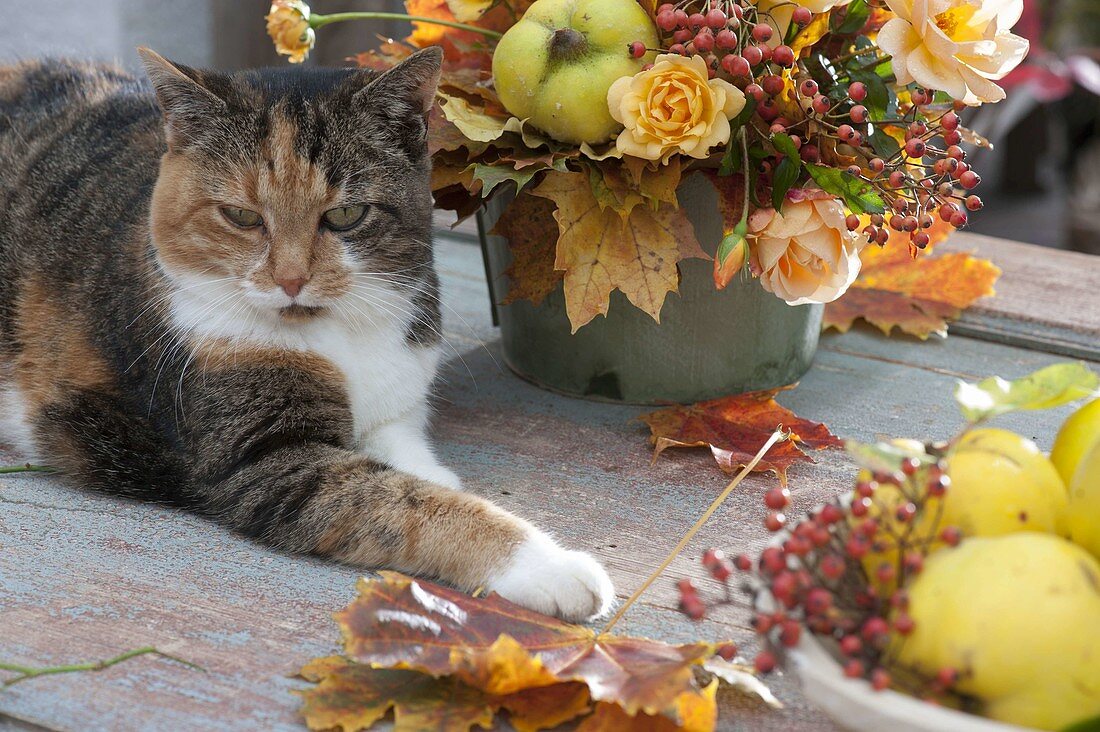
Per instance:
{"type": "Point", "coordinates": [555, 65]}
{"type": "Point", "coordinates": [1017, 617]}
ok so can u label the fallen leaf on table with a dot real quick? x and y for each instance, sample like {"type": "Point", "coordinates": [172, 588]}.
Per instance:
{"type": "Point", "coordinates": [919, 296]}
{"type": "Point", "coordinates": [443, 660]}
{"type": "Point", "coordinates": [734, 428]}
{"type": "Point", "coordinates": [742, 677]}
{"type": "Point", "coordinates": [353, 696]}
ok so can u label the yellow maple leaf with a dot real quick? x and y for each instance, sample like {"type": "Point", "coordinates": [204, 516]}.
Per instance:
{"type": "Point", "coordinates": [918, 295]}
{"type": "Point", "coordinates": [601, 250]}
{"type": "Point", "coordinates": [472, 120]}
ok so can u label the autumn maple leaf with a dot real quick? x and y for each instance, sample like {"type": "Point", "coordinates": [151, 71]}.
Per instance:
{"type": "Point", "coordinates": [441, 659]}
{"type": "Point", "coordinates": [917, 295]}
{"type": "Point", "coordinates": [605, 244]}
{"type": "Point", "coordinates": [734, 428]}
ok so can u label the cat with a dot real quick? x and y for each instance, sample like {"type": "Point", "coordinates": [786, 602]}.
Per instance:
{"type": "Point", "coordinates": [219, 293]}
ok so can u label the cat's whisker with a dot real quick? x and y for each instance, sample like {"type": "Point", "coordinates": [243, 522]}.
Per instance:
{"type": "Point", "coordinates": [433, 329]}
{"type": "Point", "coordinates": [439, 299]}
{"type": "Point", "coordinates": [227, 316]}
{"type": "Point", "coordinates": [174, 290]}
{"type": "Point", "coordinates": [180, 334]}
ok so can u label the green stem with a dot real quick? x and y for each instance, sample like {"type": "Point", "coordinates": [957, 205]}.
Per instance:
{"type": "Point", "coordinates": [28, 468]}
{"type": "Point", "coordinates": [29, 672]}
{"type": "Point", "coordinates": [319, 21]}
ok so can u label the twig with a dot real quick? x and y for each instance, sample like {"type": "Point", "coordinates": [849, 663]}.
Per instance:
{"type": "Point", "coordinates": [26, 468]}
{"type": "Point", "coordinates": [319, 21]}
{"type": "Point", "coordinates": [30, 672]}
{"type": "Point", "coordinates": [778, 436]}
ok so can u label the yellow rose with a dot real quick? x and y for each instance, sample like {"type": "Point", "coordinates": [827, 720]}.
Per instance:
{"type": "Point", "coordinates": [805, 254]}
{"type": "Point", "coordinates": [955, 46]}
{"type": "Point", "coordinates": [288, 26]}
{"type": "Point", "coordinates": [673, 109]}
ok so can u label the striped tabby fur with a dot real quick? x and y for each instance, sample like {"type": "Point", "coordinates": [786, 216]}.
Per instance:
{"type": "Point", "coordinates": [274, 377]}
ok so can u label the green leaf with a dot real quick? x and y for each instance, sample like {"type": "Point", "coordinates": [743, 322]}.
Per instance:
{"type": "Point", "coordinates": [879, 100]}
{"type": "Point", "coordinates": [856, 17]}
{"type": "Point", "coordinates": [858, 194]}
{"type": "Point", "coordinates": [883, 144]}
{"type": "Point", "coordinates": [492, 176]}
{"type": "Point", "coordinates": [784, 144]}
{"type": "Point", "coordinates": [1049, 387]}
{"type": "Point", "coordinates": [786, 173]}
{"type": "Point", "coordinates": [886, 457]}
{"type": "Point", "coordinates": [731, 161]}
{"type": "Point", "coordinates": [744, 116]}
{"type": "Point", "coordinates": [1092, 724]}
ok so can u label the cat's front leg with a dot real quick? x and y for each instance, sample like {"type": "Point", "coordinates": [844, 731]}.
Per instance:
{"type": "Point", "coordinates": [403, 445]}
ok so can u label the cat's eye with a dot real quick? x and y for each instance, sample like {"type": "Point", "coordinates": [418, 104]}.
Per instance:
{"type": "Point", "coordinates": [343, 218]}
{"type": "Point", "coordinates": [242, 217]}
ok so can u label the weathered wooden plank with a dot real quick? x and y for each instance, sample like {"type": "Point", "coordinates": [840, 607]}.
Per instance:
{"type": "Point", "coordinates": [83, 576]}
{"type": "Point", "coordinates": [1046, 299]}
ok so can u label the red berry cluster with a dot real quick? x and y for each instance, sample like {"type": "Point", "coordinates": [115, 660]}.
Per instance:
{"type": "Point", "coordinates": [816, 579]}
{"type": "Point", "coordinates": [926, 177]}
{"type": "Point", "coordinates": [921, 179]}
{"type": "Point", "coordinates": [731, 37]}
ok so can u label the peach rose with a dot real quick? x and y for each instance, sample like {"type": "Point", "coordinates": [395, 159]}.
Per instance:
{"type": "Point", "coordinates": [956, 46]}
{"type": "Point", "coordinates": [673, 109]}
{"type": "Point", "coordinates": [806, 253]}
{"type": "Point", "coordinates": [288, 26]}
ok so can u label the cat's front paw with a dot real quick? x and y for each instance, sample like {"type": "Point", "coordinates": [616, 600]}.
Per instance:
{"type": "Point", "coordinates": [545, 577]}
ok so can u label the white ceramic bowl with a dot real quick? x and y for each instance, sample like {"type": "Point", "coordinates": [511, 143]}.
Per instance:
{"type": "Point", "coordinates": [854, 705]}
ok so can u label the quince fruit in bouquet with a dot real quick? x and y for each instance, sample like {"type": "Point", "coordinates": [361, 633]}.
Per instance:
{"type": "Point", "coordinates": [555, 65]}
{"type": "Point", "coordinates": [1017, 618]}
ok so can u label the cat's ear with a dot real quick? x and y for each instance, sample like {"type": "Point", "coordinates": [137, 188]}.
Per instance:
{"type": "Point", "coordinates": [413, 81]}
{"type": "Point", "coordinates": [187, 104]}
{"type": "Point", "coordinates": [404, 94]}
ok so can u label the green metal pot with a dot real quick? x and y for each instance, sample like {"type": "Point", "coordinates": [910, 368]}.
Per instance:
{"type": "Point", "coordinates": [709, 343]}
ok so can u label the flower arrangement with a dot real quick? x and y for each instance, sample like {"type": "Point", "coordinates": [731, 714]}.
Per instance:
{"type": "Point", "coordinates": [823, 125]}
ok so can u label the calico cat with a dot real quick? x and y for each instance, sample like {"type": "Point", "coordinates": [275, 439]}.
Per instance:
{"type": "Point", "coordinates": [218, 292]}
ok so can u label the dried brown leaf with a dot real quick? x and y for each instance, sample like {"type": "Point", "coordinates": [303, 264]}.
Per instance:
{"type": "Point", "coordinates": [734, 429]}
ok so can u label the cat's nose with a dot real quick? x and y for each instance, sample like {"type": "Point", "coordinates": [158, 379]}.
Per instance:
{"type": "Point", "coordinates": [292, 286]}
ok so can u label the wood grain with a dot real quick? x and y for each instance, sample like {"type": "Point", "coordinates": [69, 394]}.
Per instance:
{"type": "Point", "coordinates": [84, 576]}
{"type": "Point", "coordinates": [1047, 299]}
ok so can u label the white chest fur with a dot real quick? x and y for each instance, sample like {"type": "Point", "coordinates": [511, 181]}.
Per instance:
{"type": "Point", "coordinates": [387, 378]}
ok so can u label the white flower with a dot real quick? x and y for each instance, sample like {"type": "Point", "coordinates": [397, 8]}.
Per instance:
{"type": "Point", "coordinates": [956, 46]}
{"type": "Point", "coordinates": [805, 254]}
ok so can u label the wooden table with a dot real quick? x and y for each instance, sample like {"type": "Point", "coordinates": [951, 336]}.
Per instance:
{"type": "Point", "coordinates": [84, 577]}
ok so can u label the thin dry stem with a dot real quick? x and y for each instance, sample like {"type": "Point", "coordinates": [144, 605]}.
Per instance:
{"type": "Point", "coordinates": [778, 436]}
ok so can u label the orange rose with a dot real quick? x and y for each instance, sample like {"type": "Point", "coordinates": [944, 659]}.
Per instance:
{"type": "Point", "coordinates": [805, 254]}
{"type": "Point", "coordinates": [673, 108]}
{"type": "Point", "coordinates": [288, 26]}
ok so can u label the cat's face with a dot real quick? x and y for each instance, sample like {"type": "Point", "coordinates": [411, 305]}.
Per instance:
{"type": "Point", "coordinates": [300, 192]}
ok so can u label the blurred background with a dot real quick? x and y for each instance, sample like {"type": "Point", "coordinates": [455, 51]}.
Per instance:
{"type": "Point", "coordinates": [1041, 180]}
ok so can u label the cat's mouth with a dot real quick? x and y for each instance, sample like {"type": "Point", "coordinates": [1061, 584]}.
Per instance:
{"type": "Point", "coordinates": [300, 313]}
